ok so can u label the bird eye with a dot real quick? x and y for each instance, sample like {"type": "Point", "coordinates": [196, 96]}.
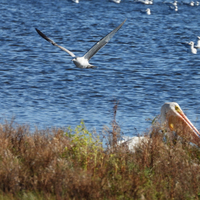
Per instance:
{"type": "Point", "coordinates": [177, 108]}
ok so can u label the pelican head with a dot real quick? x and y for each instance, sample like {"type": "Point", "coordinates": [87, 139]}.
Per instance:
{"type": "Point", "coordinates": [174, 118]}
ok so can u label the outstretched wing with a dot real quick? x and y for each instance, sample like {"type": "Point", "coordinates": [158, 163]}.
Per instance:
{"type": "Point", "coordinates": [102, 43]}
{"type": "Point", "coordinates": [186, 44]}
{"type": "Point", "coordinates": [53, 43]}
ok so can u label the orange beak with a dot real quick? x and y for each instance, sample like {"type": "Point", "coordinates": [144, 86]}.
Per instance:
{"type": "Point", "coordinates": [183, 127]}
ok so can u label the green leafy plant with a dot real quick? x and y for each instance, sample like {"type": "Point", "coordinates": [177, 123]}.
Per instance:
{"type": "Point", "coordinates": [84, 146]}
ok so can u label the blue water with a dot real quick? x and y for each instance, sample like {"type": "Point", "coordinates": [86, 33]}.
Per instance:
{"type": "Point", "coordinates": [143, 66]}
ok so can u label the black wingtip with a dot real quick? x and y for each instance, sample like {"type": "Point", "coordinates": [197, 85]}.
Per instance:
{"type": "Point", "coordinates": [43, 35]}
{"type": "Point", "coordinates": [39, 32]}
{"type": "Point", "coordinates": [36, 29]}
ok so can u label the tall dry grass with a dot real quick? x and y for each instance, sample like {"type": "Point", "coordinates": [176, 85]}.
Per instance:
{"type": "Point", "coordinates": [71, 164]}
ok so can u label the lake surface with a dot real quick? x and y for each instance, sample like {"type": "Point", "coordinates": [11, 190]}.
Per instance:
{"type": "Point", "coordinates": [142, 67]}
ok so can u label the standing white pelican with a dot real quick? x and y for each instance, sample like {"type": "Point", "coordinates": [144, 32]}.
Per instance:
{"type": "Point", "coordinates": [132, 142]}
{"type": "Point", "coordinates": [175, 120]}
{"type": "Point", "coordinates": [83, 62]}
{"type": "Point", "coordinates": [173, 117]}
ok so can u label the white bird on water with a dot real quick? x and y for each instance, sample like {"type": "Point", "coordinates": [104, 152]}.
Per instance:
{"type": "Point", "coordinates": [192, 3]}
{"type": "Point", "coordinates": [175, 3]}
{"type": "Point", "coordinates": [116, 1]}
{"type": "Point", "coordinates": [146, 2]}
{"type": "Point", "coordinates": [174, 7]}
{"type": "Point", "coordinates": [173, 118]}
{"type": "Point", "coordinates": [75, 1]}
{"type": "Point", "coordinates": [147, 11]}
{"type": "Point", "coordinates": [83, 62]}
{"type": "Point", "coordinates": [193, 50]}
{"type": "Point", "coordinates": [198, 43]}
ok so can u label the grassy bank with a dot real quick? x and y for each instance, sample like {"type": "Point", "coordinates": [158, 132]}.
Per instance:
{"type": "Point", "coordinates": [72, 164]}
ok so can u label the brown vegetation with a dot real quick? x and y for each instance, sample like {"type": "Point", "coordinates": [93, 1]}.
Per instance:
{"type": "Point", "coordinates": [71, 164]}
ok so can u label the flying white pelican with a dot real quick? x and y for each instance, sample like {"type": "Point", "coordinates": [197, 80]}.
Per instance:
{"type": "Point", "coordinates": [83, 62]}
{"type": "Point", "coordinates": [173, 117]}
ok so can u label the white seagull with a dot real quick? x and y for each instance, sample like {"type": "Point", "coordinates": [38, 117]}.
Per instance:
{"type": "Point", "coordinates": [75, 1]}
{"type": "Point", "coordinates": [192, 3]}
{"type": "Point", "coordinates": [146, 2]}
{"type": "Point", "coordinates": [192, 49]}
{"type": "Point", "coordinates": [175, 8]}
{"type": "Point", "coordinates": [175, 3]}
{"type": "Point", "coordinates": [147, 11]}
{"type": "Point", "coordinates": [116, 1]}
{"type": "Point", "coordinates": [83, 62]}
{"type": "Point", "coordinates": [198, 43]}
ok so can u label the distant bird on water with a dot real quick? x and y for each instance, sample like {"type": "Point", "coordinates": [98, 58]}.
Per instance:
{"type": "Point", "coordinates": [116, 1]}
{"type": "Point", "coordinates": [147, 11]}
{"type": "Point", "coordinates": [83, 62]}
{"type": "Point", "coordinates": [198, 43]}
{"type": "Point", "coordinates": [175, 8]}
{"type": "Point", "coordinates": [192, 49]}
{"type": "Point", "coordinates": [75, 1]}
{"type": "Point", "coordinates": [146, 2]}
